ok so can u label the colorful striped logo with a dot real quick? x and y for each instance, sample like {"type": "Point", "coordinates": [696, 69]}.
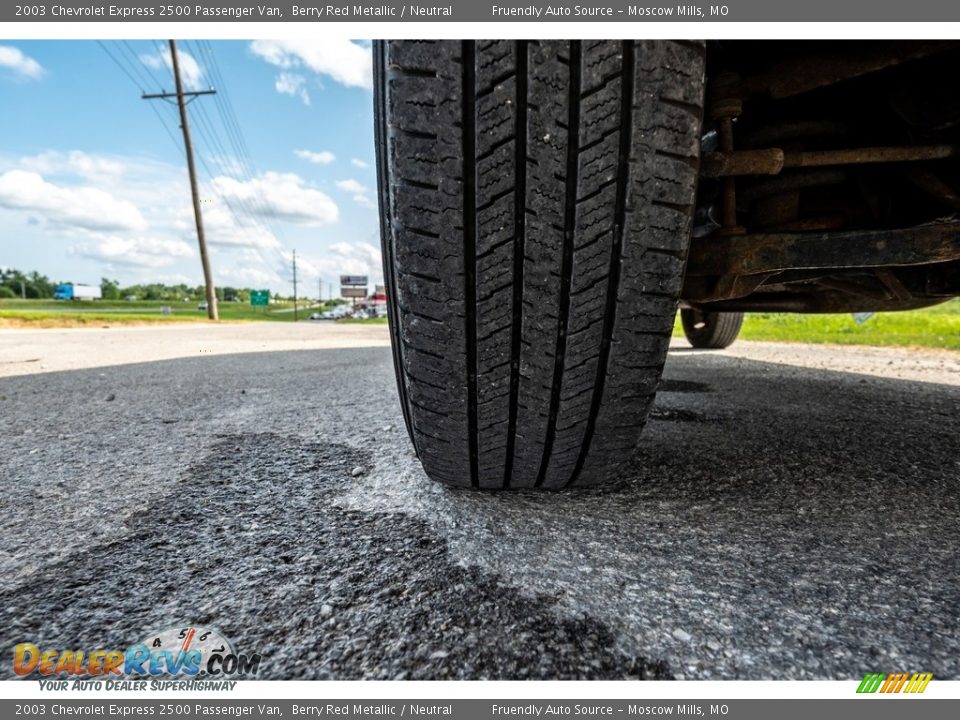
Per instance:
{"type": "Point", "coordinates": [894, 682]}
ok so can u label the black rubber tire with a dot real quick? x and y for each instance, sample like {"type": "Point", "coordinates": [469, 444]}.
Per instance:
{"type": "Point", "coordinates": [536, 203]}
{"type": "Point", "coordinates": [711, 330]}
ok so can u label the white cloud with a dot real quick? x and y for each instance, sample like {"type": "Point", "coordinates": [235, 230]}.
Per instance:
{"type": "Point", "coordinates": [190, 69]}
{"type": "Point", "coordinates": [252, 277]}
{"type": "Point", "coordinates": [358, 257]}
{"type": "Point", "coordinates": [284, 196]}
{"type": "Point", "coordinates": [365, 201]}
{"type": "Point", "coordinates": [357, 162]}
{"type": "Point", "coordinates": [358, 190]}
{"type": "Point", "coordinates": [367, 252]}
{"type": "Point", "coordinates": [346, 62]}
{"type": "Point", "coordinates": [131, 216]}
{"type": "Point", "coordinates": [136, 252]}
{"type": "Point", "coordinates": [324, 157]}
{"type": "Point", "coordinates": [75, 163]}
{"type": "Point", "coordinates": [351, 186]}
{"type": "Point", "coordinates": [22, 66]}
{"type": "Point", "coordinates": [351, 258]}
{"type": "Point", "coordinates": [227, 226]}
{"type": "Point", "coordinates": [255, 267]}
{"type": "Point", "coordinates": [81, 207]}
{"type": "Point", "coordinates": [228, 164]}
{"type": "Point", "coordinates": [294, 85]}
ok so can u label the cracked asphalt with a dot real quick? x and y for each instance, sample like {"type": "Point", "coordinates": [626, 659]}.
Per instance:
{"type": "Point", "coordinates": [793, 514]}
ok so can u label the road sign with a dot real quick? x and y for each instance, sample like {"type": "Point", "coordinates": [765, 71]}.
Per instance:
{"type": "Point", "coordinates": [259, 297]}
{"type": "Point", "coordinates": [353, 280]}
{"type": "Point", "coordinates": [353, 292]}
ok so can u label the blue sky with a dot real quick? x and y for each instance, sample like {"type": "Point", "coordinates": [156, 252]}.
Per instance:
{"type": "Point", "coordinates": [92, 185]}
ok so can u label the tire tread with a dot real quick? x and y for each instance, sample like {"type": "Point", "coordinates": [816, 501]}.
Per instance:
{"type": "Point", "coordinates": [536, 199]}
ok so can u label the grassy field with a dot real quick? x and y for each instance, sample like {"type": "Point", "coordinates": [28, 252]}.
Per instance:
{"type": "Point", "coordinates": [935, 327]}
{"type": "Point", "coordinates": [53, 313]}
{"type": "Point", "coordinates": [365, 321]}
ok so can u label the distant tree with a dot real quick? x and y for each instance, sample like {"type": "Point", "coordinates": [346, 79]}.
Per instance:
{"type": "Point", "coordinates": [110, 289]}
{"type": "Point", "coordinates": [7, 292]}
{"type": "Point", "coordinates": [33, 285]}
{"type": "Point", "coordinates": [41, 285]}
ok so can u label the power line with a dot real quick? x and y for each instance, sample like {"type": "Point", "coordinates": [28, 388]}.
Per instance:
{"type": "Point", "coordinates": [235, 134]}
{"type": "Point", "coordinates": [253, 206]}
{"type": "Point", "coordinates": [139, 85]}
{"type": "Point", "coordinates": [119, 65]}
{"type": "Point", "coordinates": [141, 70]}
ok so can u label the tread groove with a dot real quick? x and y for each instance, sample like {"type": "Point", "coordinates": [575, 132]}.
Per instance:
{"type": "Point", "coordinates": [468, 124]}
{"type": "Point", "coordinates": [620, 214]}
{"type": "Point", "coordinates": [519, 250]}
{"type": "Point", "coordinates": [570, 214]}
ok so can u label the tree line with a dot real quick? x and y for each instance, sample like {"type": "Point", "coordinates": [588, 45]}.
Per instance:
{"type": "Point", "coordinates": [34, 286]}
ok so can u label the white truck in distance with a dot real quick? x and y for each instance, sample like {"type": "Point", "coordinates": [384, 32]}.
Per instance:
{"type": "Point", "coordinates": [78, 292]}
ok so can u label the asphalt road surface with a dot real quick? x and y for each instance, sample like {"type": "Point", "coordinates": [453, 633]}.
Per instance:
{"type": "Point", "coordinates": [794, 514]}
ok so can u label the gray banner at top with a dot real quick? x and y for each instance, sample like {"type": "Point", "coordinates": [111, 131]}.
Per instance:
{"type": "Point", "coordinates": [391, 11]}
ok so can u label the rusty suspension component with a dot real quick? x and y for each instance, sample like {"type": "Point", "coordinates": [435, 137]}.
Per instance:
{"type": "Point", "coordinates": [770, 253]}
{"type": "Point", "coordinates": [772, 161]}
{"type": "Point", "coordinates": [724, 112]}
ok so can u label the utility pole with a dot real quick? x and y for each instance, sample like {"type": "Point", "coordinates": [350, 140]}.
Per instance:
{"type": "Point", "coordinates": [180, 95]}
{"type": "Point", "coordinates": [294, 285]}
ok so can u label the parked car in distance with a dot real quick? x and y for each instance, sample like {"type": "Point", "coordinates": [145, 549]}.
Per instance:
{"type": "Point", "coordinates": [334, 313]}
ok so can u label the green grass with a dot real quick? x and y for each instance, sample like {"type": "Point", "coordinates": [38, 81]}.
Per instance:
{"type": "Point", "coordinates": [364, 321]}
{"type": "Point", "coordinates": [935, 327]}
{"type": "Point", "coordinates": [53, 313]}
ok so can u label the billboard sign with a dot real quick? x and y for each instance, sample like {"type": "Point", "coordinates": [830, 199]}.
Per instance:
{"type": "Point", "coordinates": [353, 292]}
{"type": "Point", "coordinates": [353, 280]}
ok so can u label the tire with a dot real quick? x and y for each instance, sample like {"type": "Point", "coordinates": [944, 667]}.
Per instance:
{"type": "Point", "coordinates": [711, 330]}
{"type": "Point", "coordinates": [535, 219]}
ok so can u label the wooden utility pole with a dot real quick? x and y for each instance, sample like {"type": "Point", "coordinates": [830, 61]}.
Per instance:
{"type": "Point", "coordinates": [294, 285]}
{"type": "Point", "coordinates": [180, 95]}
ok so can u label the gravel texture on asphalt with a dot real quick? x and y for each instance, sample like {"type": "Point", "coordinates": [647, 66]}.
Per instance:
{"type": "Point", "coordinates": [779, 522]}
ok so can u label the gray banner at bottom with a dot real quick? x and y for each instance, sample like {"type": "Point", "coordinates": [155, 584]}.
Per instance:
{"type": "Point", "coordinates": [873, 707]}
